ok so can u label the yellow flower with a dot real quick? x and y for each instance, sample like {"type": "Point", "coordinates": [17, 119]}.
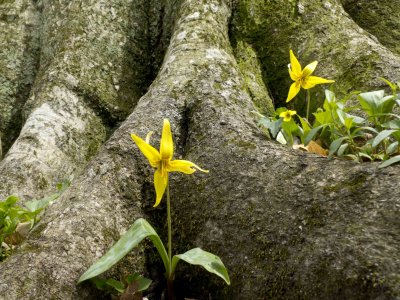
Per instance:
{"type": "Point", "coordinates": [162, 160]}
{"type": "Point", "coordinates": [287, 115]}
{"type": "Point", "coordinates": [301, 77]}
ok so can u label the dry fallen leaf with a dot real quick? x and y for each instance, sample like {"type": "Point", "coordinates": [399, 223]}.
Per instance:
{"type": "Point", "coordinates": [312, 147]}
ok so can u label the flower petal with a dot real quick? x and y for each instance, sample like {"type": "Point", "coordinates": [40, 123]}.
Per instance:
{"type": "Point", "coordinates": [160, 183]}
{"type": "Point", "coordinates": [311, 81]}
{"type": "Point", "coordinates": [149, 151]}
{"type": "Point", "coordinates": [295, 65]}
{"type": "Point", "coordinates": [183, 166]}
{"type": "Point", "coordinates": [166, 144]}
{"type": "Point", "coordinates": [287, 115]}
{"type": "Point", "coordinates": [148, 136]}
{"type": "Point", "coordinates": [293, 91]}
{"type": "Point", "coordinates": [294, 76]}
{"type": "Point", "coordinates": [310, 68]}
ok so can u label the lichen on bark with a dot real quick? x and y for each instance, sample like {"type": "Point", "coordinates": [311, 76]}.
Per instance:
{"type": "Point", "coordinates": [18, 62]}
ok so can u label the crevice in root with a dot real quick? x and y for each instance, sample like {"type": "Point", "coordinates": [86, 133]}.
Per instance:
{"type": "Point", "coordinates": [29, 65]}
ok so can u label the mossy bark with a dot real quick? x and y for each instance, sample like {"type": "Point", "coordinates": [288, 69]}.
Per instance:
{"type": "Point", "coordinates": [287, 224]}
{"type": "Point", "coordinates": [94, 67]}
{"type": "Point", "coordinates": [380, 18]}
{"type": "Point", "coordinates": [314, 30]}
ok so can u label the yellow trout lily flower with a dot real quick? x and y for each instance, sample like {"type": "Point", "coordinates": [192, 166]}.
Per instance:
{"type": "Point", "coordinates": [162, 160]}
{"type": "Point", "coordinates": [302, 78]}
{"type": "Point", "coordinates": [287, 115]}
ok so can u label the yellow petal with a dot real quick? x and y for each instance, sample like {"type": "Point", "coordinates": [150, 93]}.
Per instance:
{"type": "Point", "coordinates": [310, 68]}
{"type": "Point", "coordinates": [287, 115]}
{"type": "Point", "coordinates": [183, 166]}
{"type": "Point", "coordinates": [293, 91]}
{"type": "Point", "coordinates": [150, 152]}
{"type": "Point", "coordinates": [283, 114]}
{"type": "Point", "coordinates": [287, 119]}
{"type": "Point", "coordinates": [295, 65]}
{"type": "Point", "coordinates": [166, 145]}
{"type": "Point", "coordinates": [310, 81]}
{"type": "Point", "coordinates": [160, 183]}
{"type": "Point", "coordinates": [294, 76]}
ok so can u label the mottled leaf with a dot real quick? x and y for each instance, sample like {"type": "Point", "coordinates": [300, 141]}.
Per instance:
{"type": "Point", "coordinates": [209, 261]}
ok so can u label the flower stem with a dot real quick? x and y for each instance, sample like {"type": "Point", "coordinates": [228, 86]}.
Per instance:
{"type": "Point", "coordinates": [169, 272]}
{"type": "Point", "coordinates": [308, 104]}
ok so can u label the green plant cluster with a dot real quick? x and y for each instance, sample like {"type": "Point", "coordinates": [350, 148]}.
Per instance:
{"type": "Point", "coordinates": [16, 221]}
{"type": "Point", "coordinates": [366, 131]}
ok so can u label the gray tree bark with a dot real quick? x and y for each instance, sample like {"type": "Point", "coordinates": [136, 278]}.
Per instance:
{"type": "Point", "coordinates": [287, 224]}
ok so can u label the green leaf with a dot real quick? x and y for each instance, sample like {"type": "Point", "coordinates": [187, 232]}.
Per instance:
{"type": "Point", "coordinates": [39, 205]}
{"type": "Point", "coordinates": [370, 101]}
{"type": "Point", "coordinates": [342, 116]}
{"type": "Point", "coordinates": [304, 125]}
{"type": "Point", "coordinates": [342, 149]}
{"type": "Point", "coordinates": [109, 285]}
{"type": "Point", "coordinates": [381, 136]}
{"type": "Point", "coordinates": [312, 134]}
{"type": "Point", "coordinates": [323, 117]}
{"type": "Point", "coordinates": [135, 234]}
{"type": "Point", "coordinates": [207, 260]}
{"type": "Point", "coordinates": [392, 148]}
{"type": "Point", "coordinates": [143, 283]}
{"type": "Point", "coordinates": [393, 124]}
{"type": "Point", "coordinates": [117, 285]}
{"type": "Point", "coordinates": [365, 128]}
{"type": "Point", "coordinates": [387, 104]}
{"type": "Point", "coordinates": [330, 101]}
{"type": "Point", "coordinates": [11, 200]}
{"type": "Point", "coordinates": [392, 86]}
{"type": "Point", "coordinates": [365, 155]}
{"type": "Point", "coordinates": [290, 127]}
{"type": "Point", "coordinates": [305, 128]}
{"type": "Point", "coordinates": [273, 126]}
{"type": "Point", "coordinates": [100, 283]}
{"type": "Point", "coordinates": [356, 119]}
{"type": "Point", "coordinates": [335, 145]}
{"type": "Point", "coordinates": [330, 96]}
{"type": "Point", "coordinates": [390, 161]}
{"type": "Point", "coordinates": [348, 123]}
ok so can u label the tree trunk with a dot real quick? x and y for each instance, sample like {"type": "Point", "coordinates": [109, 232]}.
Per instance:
{"type": "Point", "coordinates": [380, 18]}
{"type": "Point", "coordinates": [286, 224]}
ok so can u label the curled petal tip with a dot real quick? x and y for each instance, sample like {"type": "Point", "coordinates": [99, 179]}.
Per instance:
{"type": "Point", "coordinates": [148, 136]}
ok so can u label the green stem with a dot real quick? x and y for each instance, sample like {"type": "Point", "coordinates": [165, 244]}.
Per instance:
{"type": "Point", "coordinates": [170, 275]}
{"type": "Point", "coordinates": [308, 104]}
